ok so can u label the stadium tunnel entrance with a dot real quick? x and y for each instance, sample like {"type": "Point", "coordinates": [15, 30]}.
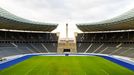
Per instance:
{"type": "Point", "coordinates": [67, 50]}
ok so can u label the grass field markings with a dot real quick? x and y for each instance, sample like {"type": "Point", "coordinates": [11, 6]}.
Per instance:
{"type": "Point", "coordinates": [31, 69]}
{"type": "Point", "coordinates": [44, 64]}
{"type": "Point", "coordinates": [47, 73]}
{"type": "Point", "coordinates": [105, 71]}
{"type": "Point", "coordinates": [85, 73]}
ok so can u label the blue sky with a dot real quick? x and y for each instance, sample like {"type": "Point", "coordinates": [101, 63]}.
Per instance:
{"type": "Point", "coordinates": [67, 11]}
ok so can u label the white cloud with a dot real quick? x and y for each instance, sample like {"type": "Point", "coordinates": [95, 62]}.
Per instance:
{"type": "Point", "coordinates": [63, 11]}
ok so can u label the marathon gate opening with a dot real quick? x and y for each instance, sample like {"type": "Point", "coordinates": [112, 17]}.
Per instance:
{"type": "Point", "coordinates": [67, 50]}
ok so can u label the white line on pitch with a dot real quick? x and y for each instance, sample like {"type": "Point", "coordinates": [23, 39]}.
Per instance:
{"type": "Point", "coordinates": [105, 72]}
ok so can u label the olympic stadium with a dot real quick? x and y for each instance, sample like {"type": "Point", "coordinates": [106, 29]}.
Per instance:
{"type": "Point", "coordinates": [31, 48]}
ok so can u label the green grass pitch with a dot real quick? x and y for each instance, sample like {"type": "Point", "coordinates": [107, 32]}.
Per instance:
{"type": "Point", "coordinates": [72, 65]}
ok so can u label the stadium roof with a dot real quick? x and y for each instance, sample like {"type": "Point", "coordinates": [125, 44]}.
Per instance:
{"type": "Point", "coordinates": [12, 22]}
{"type": "Point", "coordinates": [122, 22]}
